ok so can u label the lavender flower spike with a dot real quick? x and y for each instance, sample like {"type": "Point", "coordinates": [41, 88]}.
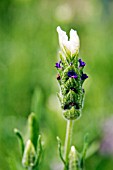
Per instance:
{"type": "Point", "coordinates": [81, 63]}
{"type": "Point", "coordinates": [71, 96]}
{"type": "Point", "coordinates": [70, 75]}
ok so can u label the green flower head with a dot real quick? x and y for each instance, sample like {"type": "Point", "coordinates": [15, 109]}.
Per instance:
{"type": "Point", "coordinates": [70, 74]}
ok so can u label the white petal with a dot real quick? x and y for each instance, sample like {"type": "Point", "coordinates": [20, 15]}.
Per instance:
{"type": "Point", "coordinates": [71, 46]}
{"type": "Point", "coordinates": [62, 34]}
{"type": "Point", "coordinates": [67, 46]}
{"type": "Point", "coordinates": [75, 42]}
{"type": "Point", "coordinates": [63, 38]}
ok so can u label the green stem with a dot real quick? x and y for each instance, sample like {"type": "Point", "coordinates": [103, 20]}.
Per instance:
{"type": "Point", "coordinates": [68, 142]}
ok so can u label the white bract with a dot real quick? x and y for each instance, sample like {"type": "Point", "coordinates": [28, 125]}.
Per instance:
{"type": "Point", "coordinates": [70, 46]}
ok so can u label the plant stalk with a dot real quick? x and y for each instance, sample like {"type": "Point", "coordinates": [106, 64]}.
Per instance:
{"type": "Point", "coordinates": [30, 168]}
{"type": "Point", "coordinates": [68, 142]}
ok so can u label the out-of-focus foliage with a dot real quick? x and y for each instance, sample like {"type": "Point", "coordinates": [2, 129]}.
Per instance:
{"type": "Point", "coordinates": [28, 48]}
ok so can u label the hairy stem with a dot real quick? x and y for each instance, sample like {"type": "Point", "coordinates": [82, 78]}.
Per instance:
{"type": "Point", "coordinates": [68, 142]}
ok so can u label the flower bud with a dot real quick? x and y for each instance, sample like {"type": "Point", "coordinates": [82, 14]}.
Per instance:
{"type": "Point", "coordinates": [73, 159]}
{"type": "Point", "coordinates": [33, 129]}
{"type": "Point", "coordinates": [29, 155]}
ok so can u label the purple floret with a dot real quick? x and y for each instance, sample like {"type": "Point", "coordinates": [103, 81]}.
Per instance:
{"type": "Point", "coordinates": [72, 74]}
{"type": "Point", "coordinates": [58, 77]}
{"type": "Point", "coordinates": [84, 76]}
{"type": "Point", "coordinates": [57, 65]}
{"type": "Point", "coordinates": [81, 63]}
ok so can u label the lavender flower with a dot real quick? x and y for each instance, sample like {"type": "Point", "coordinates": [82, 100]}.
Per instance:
{"type": "Point", "coordinates": [58, 77]}
{"type": "Point", "coordinates": [81, 63]}
{"type": "Point", "coordinates": [84, 76]}
{"type": "Point", "coordinates": [70, 78]}
{"type": "Point", "coordinates": [72, 74]}
{"type": "Point", "coordinates": [58, 65]}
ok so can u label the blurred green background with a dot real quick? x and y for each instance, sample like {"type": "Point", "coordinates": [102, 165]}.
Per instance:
{"type": "Point", "coordinates": [28, 52]}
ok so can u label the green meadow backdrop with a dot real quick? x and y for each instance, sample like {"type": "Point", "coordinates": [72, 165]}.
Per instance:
{"type": "Point", "coordinates": [28, 52]}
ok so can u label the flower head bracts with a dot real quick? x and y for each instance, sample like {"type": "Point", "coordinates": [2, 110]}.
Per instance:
{"type": "Point", "coordinates": [70, 74]}
{"type": "Point", "coordinates": [71, 47]}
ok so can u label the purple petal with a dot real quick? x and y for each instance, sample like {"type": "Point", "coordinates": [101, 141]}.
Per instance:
{"type": "Point", "coordinates": [72, 74]}
{"type": "Point", "coordinates": [58, 77]}
{"type": "Point", "coordinates": [84, 76]}
{"type": "Point", "coordinates": [57, 65]}
{"type": "Point", "coordinates": [81, 63]}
